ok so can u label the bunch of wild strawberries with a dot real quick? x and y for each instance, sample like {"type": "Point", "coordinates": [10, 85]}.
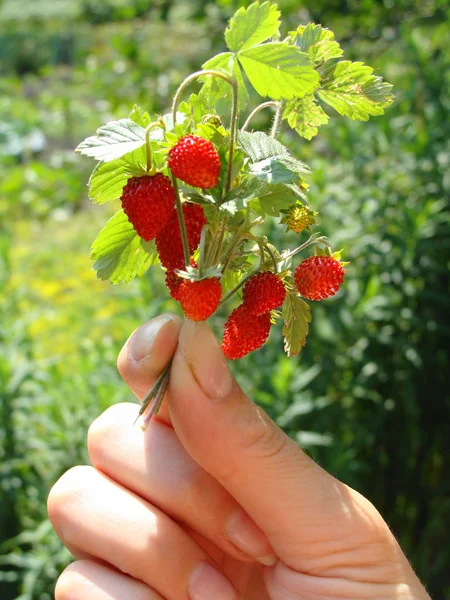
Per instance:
{"type": "Point", "coordinates": [149, 203]}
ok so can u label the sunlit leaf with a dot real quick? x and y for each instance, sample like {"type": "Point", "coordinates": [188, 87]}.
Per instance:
{"type": "Point", "coordinates": [252, 25]}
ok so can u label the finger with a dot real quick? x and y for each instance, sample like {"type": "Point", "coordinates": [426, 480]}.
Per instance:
{"type": "Point", "coordinates": [90, 511]}
{"type": "Point", "coordinates": [146, 353]}
{"type": "Point", "coordinates": [88, 579]}
{"type": "Point", "coordinates": [304, 512]}
{"type": "Point", "coordinates": [155, 465]}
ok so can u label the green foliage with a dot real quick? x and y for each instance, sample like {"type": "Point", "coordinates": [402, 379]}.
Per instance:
{"type": "Point", "coordinates": [113, 140]}
{"type": "Point", "coordinates": [297, 316]}
{"type": "Point", "coordinates": [119, 253]}
{"type": "Point", "coordinates": [371, 384]}
{"type": "Point", "coordinates": [252, 26]}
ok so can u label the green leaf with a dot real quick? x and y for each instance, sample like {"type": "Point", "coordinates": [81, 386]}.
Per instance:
{"type": "Point", "coordinates": [270, 199]}
{"type": "Point", "coordinates": [107, 181]}
{"type": "Point", "coordinates": [353, 91]}
{"type": "Point", "coordinates": [260, 146]}
{"type": "Point", "coordinates": [139, 116]}
{"type": "Point", "coordinates": [271, 170]}
{"type": "Point", "coordinates": [216, 93]}
{"type": "Point", "coordinates": [252, 25]}
{"type": "Point", "coordinates": [113, 140]}
{"type": "Point", "coordinates": [278, 70]}
{"type": "Point", "coordinates": [318, 42]}
{"type": "Point", "coordinates": [297, 316]}
{"type": "Point", "coordinates": [305, 116]}
{"type": "Point", "coordinates": [119, 253]}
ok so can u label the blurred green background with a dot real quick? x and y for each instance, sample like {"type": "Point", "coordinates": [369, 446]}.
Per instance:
{"type": "Point", "coordinates": [369, 395]}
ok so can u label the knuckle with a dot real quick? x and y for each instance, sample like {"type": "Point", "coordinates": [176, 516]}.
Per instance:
{"type": "Point", "coordinates": [65, 490]}
{"type": "Point", "coordinates": [70, 582]}
{"type": "Point", "coordinates": [261, 437]}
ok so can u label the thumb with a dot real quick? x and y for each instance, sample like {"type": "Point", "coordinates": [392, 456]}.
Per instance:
{"type": "Point", "coordinates": [301, 508]}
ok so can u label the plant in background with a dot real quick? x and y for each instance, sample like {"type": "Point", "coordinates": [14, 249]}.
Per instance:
{"type": "Point", "coordinates": [195, 186]}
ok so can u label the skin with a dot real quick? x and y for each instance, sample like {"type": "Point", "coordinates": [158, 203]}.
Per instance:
{"type": "Point", "coordinates": [213, 501]}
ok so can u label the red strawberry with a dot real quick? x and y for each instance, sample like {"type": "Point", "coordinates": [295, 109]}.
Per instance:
{"type": "Point", "coordinates": [264, 292]}
{"type": "Point", "coordinates": [199, 299]}
{"type": "Point", "coordinates": [244, 332]}
{"type": "Point", "coordinates": [319, 277]}
{"type": "Point", "coordinates": [148, 202]}
{"type": "Point", "coordinates": [173, 281]}
{"type": "Point", "coordinates": [168, 240]}
{"type": "Point", "coordinates": [195, 161]}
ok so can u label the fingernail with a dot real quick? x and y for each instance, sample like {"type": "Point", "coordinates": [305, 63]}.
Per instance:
{"type": "Point", "coordinates": [206, 583]}
{"type": "Point", "coordinates": [206, 360]}
{"type": "Point", "coordinates": [245, 534]}
{"type": "Point", "coordinates": [140, 345]}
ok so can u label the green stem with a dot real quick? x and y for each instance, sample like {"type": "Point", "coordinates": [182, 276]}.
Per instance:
{"type": "Point", "coordinates": [277, 120]}
{"type": "Point", "coordinates": [272, 256]}
{"type": "Point", "coordinates": [221, 236]}
{"type": "Point", "coordinates": [148, 149]}
{"type": "Point", "coordinates": [256, 110]}
{"type": "Point", "coordinates": [244, 280]}
{"type": "Point", "coordinates": [153, 391]}
{"type": "Point", "coordinates": [184, 239]}
{"type": "Point", "coordinates": [234, 113]}
{"type": "Point", "coordinates": [312, 240]}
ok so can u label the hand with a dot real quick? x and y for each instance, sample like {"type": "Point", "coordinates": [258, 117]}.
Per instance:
{"type": "Point", "coordinates": [213, 501]}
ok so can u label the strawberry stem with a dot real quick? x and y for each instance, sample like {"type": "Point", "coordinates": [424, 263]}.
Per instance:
{"type": "Point", "coordinates": [179, 207]}
{"type": "Point", "coordinates": [272, 256]}
{"type": "Point", "coordinates": [277, 120]}
{"type": "Point", "coordinates": [271, 103]}
{"type": "Point", "coordinates": [148, 149]}
{"type": "Point", "coordinates": [155, 396]}
{"type": "Point", "coordinates": [245, 279]}
{"type": "Point", "coordinates": [234, 113]}
{"type": "Point", "coordinates": [312, 240]}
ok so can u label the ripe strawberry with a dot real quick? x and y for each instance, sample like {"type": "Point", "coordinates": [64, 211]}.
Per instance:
{"type": "Point", "coordinates": [264, 292]}
{"type": "Point", "coordinates": [319, 277]}
{"type": "Point", "coordinates": [199, 299]}
{"type": "Point", "coordinates": [173, 281]}
{"type": "Point", "coordinates": [148, 202]}
{"type": "Point", "coordinates": [195, 161]}
{"type": "Point", "coordinates": [298, 218]}
{"type": "Point", "coordinates": [168, 240]}
{"type": "Point", "coordinates": [244, 332]}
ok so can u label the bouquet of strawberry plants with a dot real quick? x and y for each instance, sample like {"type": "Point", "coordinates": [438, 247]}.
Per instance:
{"type": "Point", "coordinates": [197, 183]}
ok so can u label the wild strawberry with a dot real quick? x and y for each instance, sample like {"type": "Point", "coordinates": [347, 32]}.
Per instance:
{"type": "Point", "coordinates": [199, 299]}
{"type": "Point", "coordinates": [264, 292]}
{"type": "Point", "coordinates": [195, 161]}
{"type": "Point", "coordinates": [244, 332]}
{"type": "Point", "coordinates": [173, 281]}
{"type": "Point", "coordinates": [298, 217]}
{"type": "Point", "coordinates": [168, 240]}
{"type": "Point", "coordinates": [148, 202]}
{"type": "Point", "coordinates": [319, 277]}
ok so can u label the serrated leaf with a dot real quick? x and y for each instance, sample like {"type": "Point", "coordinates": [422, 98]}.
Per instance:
{"type": "Point", "coordinates": [119, 253]}
{"type": "Point", "coordinates": [113, 140]}
{"type": "Point", "coordinates": [260, 146]}
{"type": "Point", "coordinates": [252, 25]}
{"type": "Point", "coordinates": [140, 116]}
{"type": "Point", "coordinates": [216, 93]}
{"type": "Point", "coordinates": [271, 170]}
{"type": "Point", "coordinates": [269, 199]}
{"type": "Point", "coordinates": [278, 70]}
{"type": "Point", "coordinates": [354, 91]}
{"type": "Point", "coordinates": [305, 116]}
{"type": "Point", "coordinates": [318, 42]}
{"type": "Point", "coordinates": [107, 181]}
{"type": "Point", "coordinates": [297, 316]}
